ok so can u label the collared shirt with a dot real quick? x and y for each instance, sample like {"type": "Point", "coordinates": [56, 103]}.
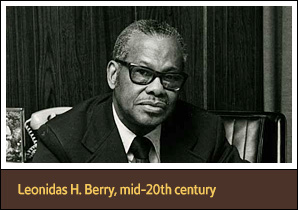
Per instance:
{"type": "Point", "coordinates": [127, 136]}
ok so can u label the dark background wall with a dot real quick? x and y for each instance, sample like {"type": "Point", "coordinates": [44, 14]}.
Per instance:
{"type": "Point", "coordinates": [57, 56]}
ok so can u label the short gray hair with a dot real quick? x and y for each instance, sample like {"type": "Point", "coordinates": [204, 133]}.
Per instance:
{"type": "Point", "coordinates": [148, 27]}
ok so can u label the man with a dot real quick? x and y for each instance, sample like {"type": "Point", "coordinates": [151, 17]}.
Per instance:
{"type": "Point", "coordinates": [142, 120]}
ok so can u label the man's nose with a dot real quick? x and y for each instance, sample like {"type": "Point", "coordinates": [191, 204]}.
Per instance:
{"type": "Point", "coordinates": [155, 87]}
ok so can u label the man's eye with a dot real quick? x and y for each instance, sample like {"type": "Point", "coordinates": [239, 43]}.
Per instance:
{"type": "Point", "coordinates": [171, 77]}
{"type": "Point", "coordinates": [144, 72]}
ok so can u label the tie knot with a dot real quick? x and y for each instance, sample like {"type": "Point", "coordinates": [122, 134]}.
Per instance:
{"type": "Point", "coordinates": [140, 147]}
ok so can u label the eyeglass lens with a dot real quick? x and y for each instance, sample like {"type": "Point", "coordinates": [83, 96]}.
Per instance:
{"type": "Point", "coordinates": [145, 76]}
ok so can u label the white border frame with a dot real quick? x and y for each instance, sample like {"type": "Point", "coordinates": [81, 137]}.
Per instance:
{"type": "Point", "coordinates": [292, 165]}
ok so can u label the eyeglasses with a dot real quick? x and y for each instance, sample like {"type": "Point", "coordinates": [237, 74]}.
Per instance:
{"type": "Point", "coordinates": [143, 76]}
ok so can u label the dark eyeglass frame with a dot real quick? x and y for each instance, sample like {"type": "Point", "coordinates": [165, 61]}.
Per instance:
{"type": "Point", "coordinates": [130, 67]}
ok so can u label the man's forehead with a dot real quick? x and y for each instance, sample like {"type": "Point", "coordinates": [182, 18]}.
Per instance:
{"type": "Point", "coordinates": [153, 46]}
{"type": "Point", "coordinates": [143, 39]}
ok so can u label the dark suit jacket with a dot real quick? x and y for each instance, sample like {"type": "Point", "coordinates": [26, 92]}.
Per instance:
{"type": "Point", "coordinates": [88, 133]}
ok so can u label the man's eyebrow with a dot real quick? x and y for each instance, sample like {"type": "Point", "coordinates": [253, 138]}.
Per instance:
{"type": "Point", "coordinates": [172, 69]}
{"type": "Point", "coordinates": [168, 69]}
{"type": "Point", "coordinates": [144, 63]}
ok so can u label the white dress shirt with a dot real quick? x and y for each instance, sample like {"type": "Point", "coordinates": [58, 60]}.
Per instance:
{"type": "Point", "coordinates": [127, 136]}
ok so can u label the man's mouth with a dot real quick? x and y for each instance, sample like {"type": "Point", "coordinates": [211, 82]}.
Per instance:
{"type": "Point", "coordinates": [157, 104]}
{"type": "Point", "coordinates": [156, 107]}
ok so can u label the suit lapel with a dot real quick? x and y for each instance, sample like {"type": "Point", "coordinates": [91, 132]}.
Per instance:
{"type": "Point", "coordinates": [174, 148]}
{"type": "Point", "coordinates": [102, 138]}
{"type": "Point", "coordinates": [178, 142]}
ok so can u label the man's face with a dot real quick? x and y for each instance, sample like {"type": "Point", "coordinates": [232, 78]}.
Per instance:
{"type": "Point", "coordinates": [143, 107]}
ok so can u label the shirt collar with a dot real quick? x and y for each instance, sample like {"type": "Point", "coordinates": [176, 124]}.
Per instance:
{"type": "Point", "coordinates": [127, 135]}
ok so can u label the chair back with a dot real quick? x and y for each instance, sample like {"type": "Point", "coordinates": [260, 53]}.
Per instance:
{"type": "Point", "coordinates": [36, 120]}
{"type": "Point", "coordinates": [258, 136]}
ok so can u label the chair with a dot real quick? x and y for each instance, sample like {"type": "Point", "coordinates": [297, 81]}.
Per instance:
{"type": "Point", "coordinates": [36, 120]}
{"type": "Point", "coordinates": [259, 136]}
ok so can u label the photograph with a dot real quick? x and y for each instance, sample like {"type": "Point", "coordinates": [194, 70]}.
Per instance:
{"type": "Point", "coordinates": [14, 135]}
{"type": "Point", "coordinates": [152, 84]}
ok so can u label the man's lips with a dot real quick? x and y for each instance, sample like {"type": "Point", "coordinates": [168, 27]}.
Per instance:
{"type": "Point", "coordinates": [157, 104]}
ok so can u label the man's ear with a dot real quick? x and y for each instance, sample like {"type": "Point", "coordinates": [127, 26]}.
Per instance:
{"type": "Point", "coordinates": [112, 74]}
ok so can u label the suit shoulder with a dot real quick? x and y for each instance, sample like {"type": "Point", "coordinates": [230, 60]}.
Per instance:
{"type": "Point", "coordinates": [196, 120]}
{"type": "Point", "coordinates": [73, 123]}
{"type": "Point", "coordinates": [81, 110]}
{"type": "Point", "coordinates": [193, 113]}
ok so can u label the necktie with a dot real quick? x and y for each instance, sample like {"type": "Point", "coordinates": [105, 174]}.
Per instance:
{"type": "Point", "coordinates": [140, 148]}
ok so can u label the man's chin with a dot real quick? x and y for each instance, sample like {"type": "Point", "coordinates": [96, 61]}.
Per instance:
{"type": "Point", "coordinates": [150, 117]}
{"type": "Point", "coordinates": [150, 121]}
{"type": "Point", "coordinates": [153, 110]}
